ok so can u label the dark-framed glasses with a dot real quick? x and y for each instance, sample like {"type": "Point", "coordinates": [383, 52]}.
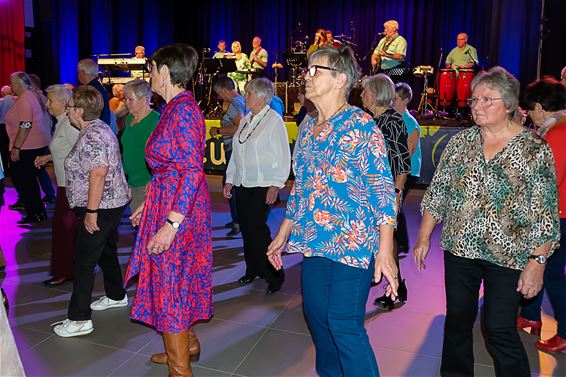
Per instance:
{"type": "Point", "coordinates": [482, 101]}
{"type": "Point", "coordinates": [314, 68]}
{"type": "Point", "coordinates": [149, 65]}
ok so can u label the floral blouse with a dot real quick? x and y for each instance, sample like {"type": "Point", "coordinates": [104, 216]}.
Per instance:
{"type": "Point", "coordinates": [499, 210]}
{"type": "Point", "coordinates": [97, 146]}
{"type": "Point", "coordinates": [343, 190]}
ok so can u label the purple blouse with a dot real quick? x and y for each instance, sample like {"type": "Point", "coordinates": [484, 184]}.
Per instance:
{"type": "Point", "coordinates": [97, 146]}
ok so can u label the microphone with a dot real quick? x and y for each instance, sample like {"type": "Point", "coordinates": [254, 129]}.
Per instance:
{"type": "Point", "coordinates": [383, 34]}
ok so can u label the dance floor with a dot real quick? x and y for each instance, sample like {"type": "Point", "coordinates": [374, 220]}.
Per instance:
{"type": "Point", "coordinates": [251, 334]}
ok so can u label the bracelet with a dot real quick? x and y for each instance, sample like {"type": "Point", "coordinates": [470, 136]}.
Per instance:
{"type": "Point", "coordinates": [88, 210]}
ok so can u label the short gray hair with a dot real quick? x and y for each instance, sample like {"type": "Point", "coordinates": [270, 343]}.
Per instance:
{"type": "Point", "coordinates": [60, 91]}
{"type": "Point", "coordinates": [22, 78]}
{"type": "Point", "coordinates": [382, 87]}
{"type": "Point", "coordinates": [88, 66]}
{"type": "Point", "coordinates": [140, 88]}
{"type": "Point", "coordinates": [342, 59]}
{"type": "Point", "coordinates": [393, 23]}
{"type": "Point", "coordinates": [262, 87]}
{"type": "Point", "coordinates": [498, 78]}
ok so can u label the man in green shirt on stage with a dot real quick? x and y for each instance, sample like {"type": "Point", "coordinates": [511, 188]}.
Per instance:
{"type": "Point", "coordinates": [463, 55]}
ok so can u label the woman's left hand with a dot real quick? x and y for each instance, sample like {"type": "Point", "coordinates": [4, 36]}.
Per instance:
{"type": "Point", "coordinates": [91, 223]}
{"type": "Point", "coordinates": [530, 280]}
{"type": "Point", "coordinates": [161, 240]}
{"type": "Point", "coordinates": [271, 195]}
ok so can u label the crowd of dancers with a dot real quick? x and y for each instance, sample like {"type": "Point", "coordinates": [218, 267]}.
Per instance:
{"type": "Point", "coordinates": [498, 190]}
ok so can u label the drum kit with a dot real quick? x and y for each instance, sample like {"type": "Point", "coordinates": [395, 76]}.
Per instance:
{"type": "Point", "coordinates": [453, 87]}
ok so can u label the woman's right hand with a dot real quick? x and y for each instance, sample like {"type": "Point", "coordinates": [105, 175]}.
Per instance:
{"type": "Point", "coordinates": [226, 190]}
{"type": "Point", "coordinates": [136, 215]}
{"type": "Point", "coordinates": [420, 252]}
{"type": "Point", "coordinates": [276, 246]}
{"type": "Point", "coordinates": [40, 161]}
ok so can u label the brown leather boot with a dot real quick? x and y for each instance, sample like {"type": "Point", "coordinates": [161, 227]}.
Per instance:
{"type": "Point", "coordinates": [194, 350]}
{"type": "Point", "coordinates": [177, 349]}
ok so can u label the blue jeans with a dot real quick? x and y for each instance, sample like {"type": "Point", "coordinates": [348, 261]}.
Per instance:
{"type": "Point", "coordinates": [334, 300]}
{"type": "Point", "coordinates": [555, 285]}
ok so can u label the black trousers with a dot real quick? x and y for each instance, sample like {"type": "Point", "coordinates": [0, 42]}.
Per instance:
{"type": "Point", "coordinates": [92, 249]}
{"type": "Point", "coordinates": [401, 234]}
{"type": "Point", "coordinates": [25, 175]}
{"type": "Point", "coordinates": [252, 214]}
{"type": "Point", "coordinates": [501, 300]}
{"type": "Point", "coordinates": [5, 149]}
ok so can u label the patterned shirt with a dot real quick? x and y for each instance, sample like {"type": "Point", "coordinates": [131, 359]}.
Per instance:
{"type": "Point", "coordinates": [343, 190]}
{"type": "Point", "coordinates": [97, 146]}
{"type": "Point", "coordinates": [394, 131]}
{"type": "Point", "coordinates": [499, 210]}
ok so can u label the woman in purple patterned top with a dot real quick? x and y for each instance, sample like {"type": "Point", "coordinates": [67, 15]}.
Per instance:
{"type": "Point", "coordinates": [98, 193]}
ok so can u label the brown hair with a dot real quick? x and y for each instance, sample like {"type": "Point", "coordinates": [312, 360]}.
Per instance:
{"type": "Point", "coordinates": [90, 100]}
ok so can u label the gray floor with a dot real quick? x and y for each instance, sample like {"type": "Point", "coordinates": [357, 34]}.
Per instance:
{"type": "Point", "coordinates": [251, 334]}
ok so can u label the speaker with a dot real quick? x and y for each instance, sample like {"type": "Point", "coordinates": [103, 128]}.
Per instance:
{"type": "Point", "coordinates": [290, 96]}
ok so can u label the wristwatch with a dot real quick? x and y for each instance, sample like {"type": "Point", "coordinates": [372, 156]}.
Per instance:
{"type": "Point", "coordinates": [540, 259]}
{"type": "Point", "coordinates": [174, 224]}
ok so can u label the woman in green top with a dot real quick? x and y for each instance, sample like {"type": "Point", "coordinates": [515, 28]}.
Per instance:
{"type": "Point", "coordinates": [139, 125]}
{"type": "Point", "coordinates": [495, 191]}
{"type": "Point", "coordinates": [242, 64]}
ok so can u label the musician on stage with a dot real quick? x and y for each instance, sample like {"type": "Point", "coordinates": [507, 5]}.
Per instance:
{"type": "Point", "coordinates": [221, 50]}
{"type": "Point", "coordinates": [463, 55]}
{"type": "Point", "coordinates": [242, 63]}
{"type": "Point", "coordinates": [391, 49]}
{"type": "Point", "coordinates": [330, 39]}
{"type": "Point", "coordinates": [319, 40]}
{"type": "Point", "coordinates": [258, 56]}
{"type": "Point", "coordinates": [139, 52]}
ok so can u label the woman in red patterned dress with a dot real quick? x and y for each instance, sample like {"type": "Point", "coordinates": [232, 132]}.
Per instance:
{"type": "Point", "coordinates": [173, 249]}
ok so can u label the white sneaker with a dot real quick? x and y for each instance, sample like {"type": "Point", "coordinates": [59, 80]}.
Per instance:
{"type": "Point", "coordinates": [68, 328]}
{"type": "Point", "coordinates": [104, 303]}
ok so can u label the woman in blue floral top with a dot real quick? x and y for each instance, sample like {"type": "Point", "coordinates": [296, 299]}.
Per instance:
{"type": "Point", "coordinates": [495, 190]}
{"type": "Point", "coordinates": [340, 216]}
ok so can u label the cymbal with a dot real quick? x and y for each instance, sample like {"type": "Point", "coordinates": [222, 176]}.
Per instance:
{"type": "Point", "coordinates": [277, 65]}
{"type": "Point", "coordinates": [342, 36]}
{"type": "Point", "coordinates": [350, 43]}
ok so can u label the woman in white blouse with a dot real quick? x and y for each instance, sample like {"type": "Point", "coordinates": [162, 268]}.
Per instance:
{"type": "Point", "coordinates": [258, 169]}
{"type": "Point", "coordinates": [64, 221]}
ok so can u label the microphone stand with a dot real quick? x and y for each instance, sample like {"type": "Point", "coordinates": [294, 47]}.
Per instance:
{"type": "Point", "coordinates": [437, 83]}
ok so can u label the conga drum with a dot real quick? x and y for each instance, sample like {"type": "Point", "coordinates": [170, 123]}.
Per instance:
{"type": "Point", "coordinates": [464, 86]}
{"type": "Point", "coordinates": [446, 86]}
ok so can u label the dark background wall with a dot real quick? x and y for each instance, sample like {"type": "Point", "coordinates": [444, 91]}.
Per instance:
{"type": "Point", "coordinates": [505, 32]}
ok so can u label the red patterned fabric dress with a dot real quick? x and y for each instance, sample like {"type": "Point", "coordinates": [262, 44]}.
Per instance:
{"type": "Point", "coordinates": [175, 287]}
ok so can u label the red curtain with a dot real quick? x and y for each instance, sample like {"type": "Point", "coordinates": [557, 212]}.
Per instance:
{"type": "Point", "coordinates": [11, 39]}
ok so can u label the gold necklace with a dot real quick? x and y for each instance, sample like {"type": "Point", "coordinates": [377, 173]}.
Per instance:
{"type": "Point", "coordinates": [332, 116]}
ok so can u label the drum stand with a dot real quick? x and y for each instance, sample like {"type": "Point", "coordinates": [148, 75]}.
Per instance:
{"type": "Point", "coordinates": [422, 109]}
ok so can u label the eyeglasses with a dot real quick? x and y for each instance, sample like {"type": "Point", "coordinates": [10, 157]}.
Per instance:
{"type": "Point", "coordinates": [71, 106]}
{"type": "Point", "coordinates": [314, 68]}
{"type": "Point", "coordinates": [483, 101]}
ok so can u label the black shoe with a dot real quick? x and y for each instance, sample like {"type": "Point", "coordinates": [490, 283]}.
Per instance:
{"type": "Point", "coordinates": [230, 224]}
{"type": "Point", "coordinates": [235, 230]}
{"type": "Point", "coordinates": [53, 282]}
{"type": "Point", "coordinates": [387, 303]}
{"type": "Point", "coordinates": [17, 206]}
{"type": "Point", "coordinates": [246, 279]}
{"type": "Point", "coordinates": [48, 199]}
{"type": "Point", "coordinates": [33, 219]}
{"type": "Point", "coordinates": [403, 249]}
{"type": "Point", "coordinates": [271, 289]}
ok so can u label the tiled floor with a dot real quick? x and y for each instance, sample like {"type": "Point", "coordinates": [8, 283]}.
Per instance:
{"type": "Point", "coordinates": [251, 334]}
